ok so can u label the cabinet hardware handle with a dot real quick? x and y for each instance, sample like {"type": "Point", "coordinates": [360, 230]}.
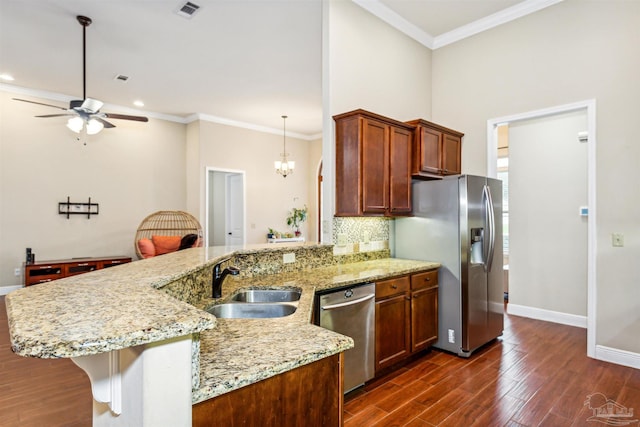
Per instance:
{"type": "Point", "coordinates": [427, 279]}
{"type": "Point", "coordinates": [83, 265]}
{"type": "Point", "coordinates": [44, 267]}
{"type": "Point", "coordinates": [394, 286]}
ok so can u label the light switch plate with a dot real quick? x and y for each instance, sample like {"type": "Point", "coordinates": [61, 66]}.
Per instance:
{"type": "Point", "coordinates": [617, 240]}
{"type": "Point", "coordinates": [342, 240]}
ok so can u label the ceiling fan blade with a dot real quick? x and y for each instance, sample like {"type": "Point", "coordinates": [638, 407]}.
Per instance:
{"type": "Point", "coordinates": [56, 115]}
{"type": "Point", "coordinates": [104, 122]}
{"type": "Point", "coordinates": [126, 117]}
{"type": "Point", "coordinates": [39, 103]}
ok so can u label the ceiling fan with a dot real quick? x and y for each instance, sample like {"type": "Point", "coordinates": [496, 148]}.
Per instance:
{"type": "Point", "coordinates": [86, 112]}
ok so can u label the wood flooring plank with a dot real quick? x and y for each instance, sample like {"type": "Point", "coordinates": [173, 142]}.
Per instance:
{"type": "Point", "coordinates": [402, 415]}
{"type": "Point", "coordinates": [500, 413]}
{"type": "Point", "coordinates": [440, 410]}
{"type": "Point", "coordinates": [366, 418]}
{"type": "Point", "coordinates": [404, 395]}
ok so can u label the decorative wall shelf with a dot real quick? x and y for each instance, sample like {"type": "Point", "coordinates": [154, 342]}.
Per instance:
{"type": "Point", "coordinates": [78, 208]}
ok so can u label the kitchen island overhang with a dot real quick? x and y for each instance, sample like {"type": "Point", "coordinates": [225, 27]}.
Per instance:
{"type": "Point", "coordinates": [230, 353]}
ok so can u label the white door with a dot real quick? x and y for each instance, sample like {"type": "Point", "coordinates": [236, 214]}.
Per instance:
{"type": "Point", "coordinates": [234, 221]}
{"type": "Point", "coordinates": [224, 207]}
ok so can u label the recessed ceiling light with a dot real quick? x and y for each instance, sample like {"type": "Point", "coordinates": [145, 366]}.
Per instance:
{"type": "Point", "coordinates": [6, 77]}
{"type": "Point", "coordinates": [138, 103]}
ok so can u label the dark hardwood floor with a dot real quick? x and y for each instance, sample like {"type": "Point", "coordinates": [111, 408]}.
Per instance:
{"type": "Point", "coordinates": [40, 392]}
{"type": "Point", "coordinates": [537, 374]}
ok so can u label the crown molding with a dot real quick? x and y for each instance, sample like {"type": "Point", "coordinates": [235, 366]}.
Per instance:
{"type": "Point", "coordinates": [502, 17]}
{"type": "Point", "coordinates": [249, 126]}
{"type": "Point", "coordinates": [53, 96]}
{"type": "Point", "coordinates": [377, 8]}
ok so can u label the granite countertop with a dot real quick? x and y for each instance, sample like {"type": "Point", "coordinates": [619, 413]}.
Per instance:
{"type": "Point", "coordinates": [239, 352]}
{"type": "Point", "coordinates": [123, 306]}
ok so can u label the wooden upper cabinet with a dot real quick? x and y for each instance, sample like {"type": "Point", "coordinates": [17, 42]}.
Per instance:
{"type": "Point", "coordinates": [373, 165]}
{"type": "Point", "coordinates": [400, 171]}
{"type": "Point", "coordinates": [436, 150]}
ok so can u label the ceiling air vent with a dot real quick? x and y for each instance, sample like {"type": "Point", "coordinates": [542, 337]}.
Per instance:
{"type": "Point", "coordinates": [187, 10]}
{"type": "Point", "coordinates": [121, 78]}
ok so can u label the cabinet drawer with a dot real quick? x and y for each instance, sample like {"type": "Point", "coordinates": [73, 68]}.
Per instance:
{"type": "Point", "coordinates": [391, 287]}
{"type": "Point", "coordinates": [113, 262]}
{"type": "Point", "coordinates": [424, 280]}
{"type": "Point", "coordinates": [81, 267]}
{"type": "Point", "coordinates": [43, 273]}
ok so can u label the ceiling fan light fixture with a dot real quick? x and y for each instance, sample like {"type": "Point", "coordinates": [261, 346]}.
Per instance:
{"type": "Point", "coordinates": [94, 126]}
{"type": "Point", "coordinates": [75, 124]}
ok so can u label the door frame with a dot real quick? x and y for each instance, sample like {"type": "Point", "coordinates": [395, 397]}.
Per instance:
{"type": "Point", "coordinates": [208, 170]}
{"type": "Point", "coordinates": [492, 158]}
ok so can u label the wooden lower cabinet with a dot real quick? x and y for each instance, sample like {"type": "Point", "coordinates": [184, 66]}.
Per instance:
{"type": "Point", "coordinates": [406, 317]}
{"type": "Point", "coordinates": [46, 271]}
{"type": "Point", "coordinates": [311, 395]}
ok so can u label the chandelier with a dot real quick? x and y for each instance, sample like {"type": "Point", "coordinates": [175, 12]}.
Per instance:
{"type": "Point", "coordinates": [284, 166]}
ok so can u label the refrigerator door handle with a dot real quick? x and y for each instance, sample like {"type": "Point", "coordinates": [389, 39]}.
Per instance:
{"type": "Point", "coordinates": [491, 227]}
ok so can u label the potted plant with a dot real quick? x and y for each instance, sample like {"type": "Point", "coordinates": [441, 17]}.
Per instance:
{"type": "Point", "coordinates": [297, 217]}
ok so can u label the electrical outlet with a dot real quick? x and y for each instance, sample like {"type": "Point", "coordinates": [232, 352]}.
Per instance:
{"type": "Point", "coordinates": [16, 272]}
{"type": "Point", "coordinates": [288, 258]}
{"type": "Point", "coordinates": [617, 240]}
{"type": "Point", "coordinates": [342, 240]}
{"type": "Point", "coordinates": [367, 236]}
{"type": "Point", "coordinates": [452, 336]}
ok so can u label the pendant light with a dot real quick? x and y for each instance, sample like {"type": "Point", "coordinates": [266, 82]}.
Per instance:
{"type": "Point", "coordinates": [284, 166]}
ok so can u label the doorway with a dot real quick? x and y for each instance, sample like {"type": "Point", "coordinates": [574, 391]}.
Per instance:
{"type": "Point", "coordinates": [588, 107]}
{"type": "Point", "coordinates": [225, 207]}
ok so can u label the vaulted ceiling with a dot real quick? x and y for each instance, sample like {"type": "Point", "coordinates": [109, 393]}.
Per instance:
{"type": "Point", "coordinates": [240, 61]}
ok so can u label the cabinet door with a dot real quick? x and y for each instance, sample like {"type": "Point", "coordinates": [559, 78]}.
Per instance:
{"type": "Point", "coordinates": [375, 166]}
{"type": "Point", "coordinates": [430, 146]}
{"type": "Point", "coordinates": [392, 330]}
{"type": "Point", "coordinates": [451, 154]}
{"type": "Point", "coordinates": [424, 318]}
{"type": "Point", "coordinates": [400, 171]}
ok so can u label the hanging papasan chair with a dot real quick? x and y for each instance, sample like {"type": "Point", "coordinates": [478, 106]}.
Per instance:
{"type": "Point", "coordinates": [167, 231]}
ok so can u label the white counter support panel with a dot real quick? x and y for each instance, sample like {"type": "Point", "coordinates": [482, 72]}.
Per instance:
{"type": "Point", "coordinates": [146, 386]}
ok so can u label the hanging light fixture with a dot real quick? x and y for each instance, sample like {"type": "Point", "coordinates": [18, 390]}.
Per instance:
{"type": "Point", "coordinates": [284, 166]}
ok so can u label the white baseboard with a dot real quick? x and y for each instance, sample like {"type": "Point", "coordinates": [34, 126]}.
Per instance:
{"type": "Point", "coordinates": [617, 356]}
{"type": "Point", "coordinates": [547, 315]}
{"type": "Point", "coordinates": [6, 289]}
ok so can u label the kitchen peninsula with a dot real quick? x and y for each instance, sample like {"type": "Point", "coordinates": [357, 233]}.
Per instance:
{"type": "Point", "coordinates": [150, 312]}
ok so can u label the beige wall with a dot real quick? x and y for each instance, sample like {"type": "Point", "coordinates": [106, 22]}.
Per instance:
{"type": "Point", "coordinates": [131, 171]}
{"type": "Point", "coordinates": [573, 51]}
{"type": "Point", "coordinates": [372, 66]}
{"type": "Point", "coordinates": [269, 196]}
{"type": "Point", "coordinates": [547, 237]}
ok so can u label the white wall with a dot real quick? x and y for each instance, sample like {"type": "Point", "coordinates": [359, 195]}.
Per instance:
{"type": "Point", "coordinates": [547, 237]}
{"type": "Point", "coordinates": [131, 171]}
{"type": "Point", "coordinates": [269, 196]}
{"type": "Point", "coordinates": [573, 51]}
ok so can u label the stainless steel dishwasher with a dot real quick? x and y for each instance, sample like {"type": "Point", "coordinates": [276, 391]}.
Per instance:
{"type": "Point", "coordinates": [351, 312]}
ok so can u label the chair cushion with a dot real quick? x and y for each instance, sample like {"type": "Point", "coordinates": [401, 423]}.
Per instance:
{"type": "Point", "coordinates": [166, 244]}
{"type": "Point", "coordinates": [147, 249]}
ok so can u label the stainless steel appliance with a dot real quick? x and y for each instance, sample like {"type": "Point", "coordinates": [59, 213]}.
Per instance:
{"type": "Point", "coordinates": [351, 312]}
{"type": "Point", "coordinates": [458, 222]}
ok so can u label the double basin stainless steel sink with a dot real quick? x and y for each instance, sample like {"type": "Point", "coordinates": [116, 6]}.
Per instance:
{"type": "Point", "coordinates": [258, 303]}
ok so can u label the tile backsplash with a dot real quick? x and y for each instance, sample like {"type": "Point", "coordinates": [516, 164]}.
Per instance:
{"type": "Point", "coordinates": [352, 235]}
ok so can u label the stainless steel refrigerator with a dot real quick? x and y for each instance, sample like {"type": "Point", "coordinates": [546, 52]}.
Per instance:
{"type": "Point", "coordinates": [458, 223]}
